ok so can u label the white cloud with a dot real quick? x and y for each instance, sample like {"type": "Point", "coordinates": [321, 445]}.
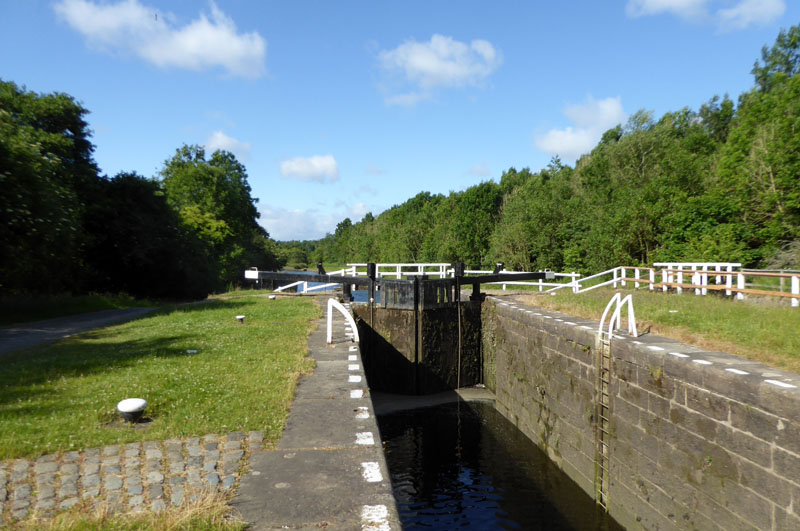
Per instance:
{"type": "Point", "coordinates": [440, 62]}
{"type": "Point", "coordinates": [687, 9]}
{"type": "Point", "coordinates": [219, 140]}
{"type": "Point", "coordinates": [284, 224]}
{"type": "Point", "coordinates": [317, 168]}
{"type": "Point", "coordinates": [131, 27]}
{"type": "Point", "coordinates": [591, 120]}
{"type": "Point", "coordinates": [747, 12]}
{"type": "Point", "coordinates": [310, 224]}
{"type": "Point", "coordinates": [481, 170]}
{"type": "Point", "coordinates": [736, 17]}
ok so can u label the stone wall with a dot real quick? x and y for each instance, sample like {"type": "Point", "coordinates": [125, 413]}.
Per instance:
{"type": "Point", "coordinates": [699, 440]}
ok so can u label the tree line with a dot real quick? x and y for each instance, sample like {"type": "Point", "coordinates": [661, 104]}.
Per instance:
{"type": "Point", "coordinates": [721, 183]}
{"type": "Point", "coordinates": [190, 230]}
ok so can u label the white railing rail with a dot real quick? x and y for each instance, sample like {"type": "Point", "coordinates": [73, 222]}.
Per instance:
{"type": "Point", "coordinates": [293, 284]}
{"type": "Point", "coordinates": [404, 270]}
{"type": "Point", "coordinates": [618, 277]}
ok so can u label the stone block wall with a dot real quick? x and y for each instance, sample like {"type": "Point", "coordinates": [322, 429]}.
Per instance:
{"type": "Point", "coordinates": [699, 440]}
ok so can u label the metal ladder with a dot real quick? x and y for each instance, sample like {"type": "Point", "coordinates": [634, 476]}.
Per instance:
{"type": "Point", "coordinates": [602, 408]}
{"type": "Point", "coordinates": [603, 392]}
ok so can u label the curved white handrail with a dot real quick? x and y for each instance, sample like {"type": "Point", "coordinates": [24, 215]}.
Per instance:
{"type": "Point", "coordinates": [332, 303]}
{"type": "Point", "coordinates": [618, 303]}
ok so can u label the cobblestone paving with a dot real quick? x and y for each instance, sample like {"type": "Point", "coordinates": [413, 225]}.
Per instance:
{"type": "Point", "coordinates": [134, 476]}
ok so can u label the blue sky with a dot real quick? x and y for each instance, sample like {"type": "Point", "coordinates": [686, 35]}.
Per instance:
{"type": "Point", "coordinates": [340, 108]}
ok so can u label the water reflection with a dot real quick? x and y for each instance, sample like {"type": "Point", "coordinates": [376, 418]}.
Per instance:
{"type": "Point", "coordinates": [465, 466]}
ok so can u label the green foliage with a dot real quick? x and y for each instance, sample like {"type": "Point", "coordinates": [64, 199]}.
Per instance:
{"type": "Point", "coordinates": [138, 244]}
{"type": "Point", "coordinates": [64, 228]}
{"type": "Point", "coordinates": [718, 184]}
{"type": "Point", "coordinates": [780, 62]}
{"type": "Point", "coordinates": [212, 198]}
{"type": "Point", "coordinates": [45, 167]}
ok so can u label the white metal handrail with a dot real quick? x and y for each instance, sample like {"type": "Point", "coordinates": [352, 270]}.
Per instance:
{"type": "Point", "coordinates": [333, 303]}
{"type": "Point", "coordinates": [618, 302]}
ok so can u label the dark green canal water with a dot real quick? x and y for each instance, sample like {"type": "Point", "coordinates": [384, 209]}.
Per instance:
{"type": "Point", "coordinates": [464, 466]}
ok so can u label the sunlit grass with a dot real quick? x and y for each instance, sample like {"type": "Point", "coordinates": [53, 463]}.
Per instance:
{"type": "Point", "coordinates": [21, 309]}
{"type": "Point", "coordinates": [761, 330]}
{"type": "Point", "coordinates": [63, 396]}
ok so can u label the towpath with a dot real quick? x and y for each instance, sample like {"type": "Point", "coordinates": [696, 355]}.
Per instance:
{"type": "Point", "coordinates": [328, 470]}
{"type": "Point", "coordinates": [25, 335]}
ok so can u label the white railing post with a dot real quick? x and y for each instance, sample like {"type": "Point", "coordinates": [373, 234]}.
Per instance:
{"type": "Point", "coordinates": [622, 276]}
{"type": "Point", "coordinates": [636, 276]}
{"type": "Point", "coordinates": [575, 285]}
{"type": "Point", "coordinates": [679, 278]}
{"type": "Point", "coordinates": [704, 280]}
{"type": "Point", "coordinates": [795, 290]}
{"type": "Point", "coordinates": [616, 276]}
{"type": "Point", "coordinates": [729, 281]}
{"type": "Point", "coordinates": [740, 285]}
{"type": "Point", "coordinates": [652, 277]}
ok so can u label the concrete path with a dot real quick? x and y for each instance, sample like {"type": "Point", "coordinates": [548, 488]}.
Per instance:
{"type": "Point", "coordinates": [16, 337]}
{"type": "Point", "coordinates": [328, 470]}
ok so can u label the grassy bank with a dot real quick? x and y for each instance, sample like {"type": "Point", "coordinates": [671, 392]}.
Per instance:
{"type": "Point", "coordinates": [759, 330]}
{"type": "Point", "coordinates": [63, 396]}
{"type": "Point", "coordinates": [22, 309]}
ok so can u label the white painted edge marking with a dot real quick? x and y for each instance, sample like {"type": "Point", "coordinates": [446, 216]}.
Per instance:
{"type": "Point", "coordinates": [375, 518]}
{"type": "Point", "coordinates": [357, 393]}
{"type": "Point", "coordinates": [353, 348]}
{"type": "Point", "coordinates": [569, 323]}
{"type": "Point", "coordinates": [637, 342]}
{"type": "Point", "coordinates": [547, 317]}
{"type": "Point", "coordinates": [702, 362]}
{"type": "Point", "coordinates": [678, 354]}
{"type": "Point", "coordinates": [365, 438]}
{"type": "Point", "coordinates": [371, 471]}
{"type": "Point", "coordinates": [352, 357]}
{"type": "Point", "coordinates": [354, 378]}
{"type": "Point", "coordinates": [362, 412]}
{"type": "Point", "coordinates": [352, 367]}
{"type": "Point", "coordinates": [536, 313]}
{"type": "Point", "coordinates": [737, 371]}
{"type": "Point", "coordinates": [781, 384]}
{"type": "Point", "coordinates": [559, 320]}
{"type": "Point", "coordinates": [587, 327]}
{"type": "Point", "coordinates": [348, 329]}
{"type": "Point", "coordinates": [655, 348]}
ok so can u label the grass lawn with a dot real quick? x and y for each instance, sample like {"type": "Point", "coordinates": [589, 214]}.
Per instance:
{"type": "Point", "coordinates": [63, 396]}
{"type": "Point", "coordinates": [32, 308]}
{"type": "Point", "coordinates": [760, 330]}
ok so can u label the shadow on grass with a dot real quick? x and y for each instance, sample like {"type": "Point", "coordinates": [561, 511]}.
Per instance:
{"type": "Point", "coordinates": [95, 352]}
